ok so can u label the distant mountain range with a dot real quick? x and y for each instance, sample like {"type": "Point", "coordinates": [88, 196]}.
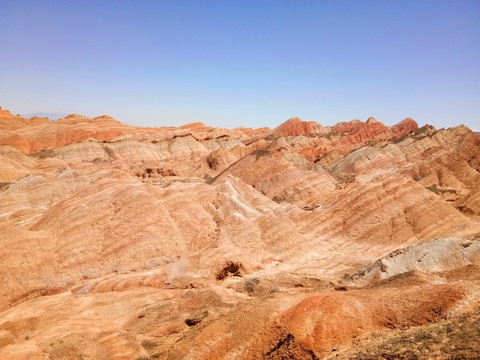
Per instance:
{"type": "Point", "coordinates": [51, 116]}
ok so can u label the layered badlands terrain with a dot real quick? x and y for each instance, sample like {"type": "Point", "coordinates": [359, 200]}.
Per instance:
{"type": "Point", "coordinates": [357, 241]}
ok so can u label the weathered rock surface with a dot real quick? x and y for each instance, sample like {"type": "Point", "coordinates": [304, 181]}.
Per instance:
{"type": "Point", "coordinates": [195, 242]}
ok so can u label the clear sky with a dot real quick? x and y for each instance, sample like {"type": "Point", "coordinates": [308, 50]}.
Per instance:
{"type": "Point", "coordinates": [243, 63]}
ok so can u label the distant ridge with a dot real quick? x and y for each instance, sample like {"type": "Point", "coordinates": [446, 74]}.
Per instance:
{"type": "Point", "coordinates": [51, 116]}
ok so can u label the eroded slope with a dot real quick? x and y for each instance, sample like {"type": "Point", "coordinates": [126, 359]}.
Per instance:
{"type": "Point", "coordinates": [206, 243]}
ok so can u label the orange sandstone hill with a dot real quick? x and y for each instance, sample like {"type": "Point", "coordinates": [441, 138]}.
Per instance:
{"type": "Point", "coordinates": [355, 241]}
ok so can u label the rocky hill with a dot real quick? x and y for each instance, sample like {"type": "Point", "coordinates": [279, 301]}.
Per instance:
{"type": "Point", "coordinates": [355, 241]}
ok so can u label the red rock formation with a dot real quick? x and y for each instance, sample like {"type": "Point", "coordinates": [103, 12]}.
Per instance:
{"type": "Point", "coordinates": [405, 126]}
{"type": "Point", "coordinates": [295, 127]}
{"type": "Point", "coordinates": [196, 126]}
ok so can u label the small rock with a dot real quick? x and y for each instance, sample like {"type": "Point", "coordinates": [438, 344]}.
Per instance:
{"type": "Point", "coordinates": [195, 318]}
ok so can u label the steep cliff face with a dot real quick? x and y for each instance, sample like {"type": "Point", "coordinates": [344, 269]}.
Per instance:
{"type": "Point", "coordinates": [196, 242]}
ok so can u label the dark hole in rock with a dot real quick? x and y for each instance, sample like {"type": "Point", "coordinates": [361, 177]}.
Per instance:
{"type": "Point", "coordinates": [195, 318]}
{"type": "Point", "coordinates": [231, 268]}
{"type": "Point", "coordinates": [192, 322]}
{"type": "Point", "coordinates": [212, 162]}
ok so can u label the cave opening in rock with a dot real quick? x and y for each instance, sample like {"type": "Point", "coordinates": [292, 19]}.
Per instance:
{"type": "Point", "coordinates": [231, 268]}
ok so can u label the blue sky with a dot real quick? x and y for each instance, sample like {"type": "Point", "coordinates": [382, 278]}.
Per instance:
{"type": "Point", "coordinates": [243, 63]}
